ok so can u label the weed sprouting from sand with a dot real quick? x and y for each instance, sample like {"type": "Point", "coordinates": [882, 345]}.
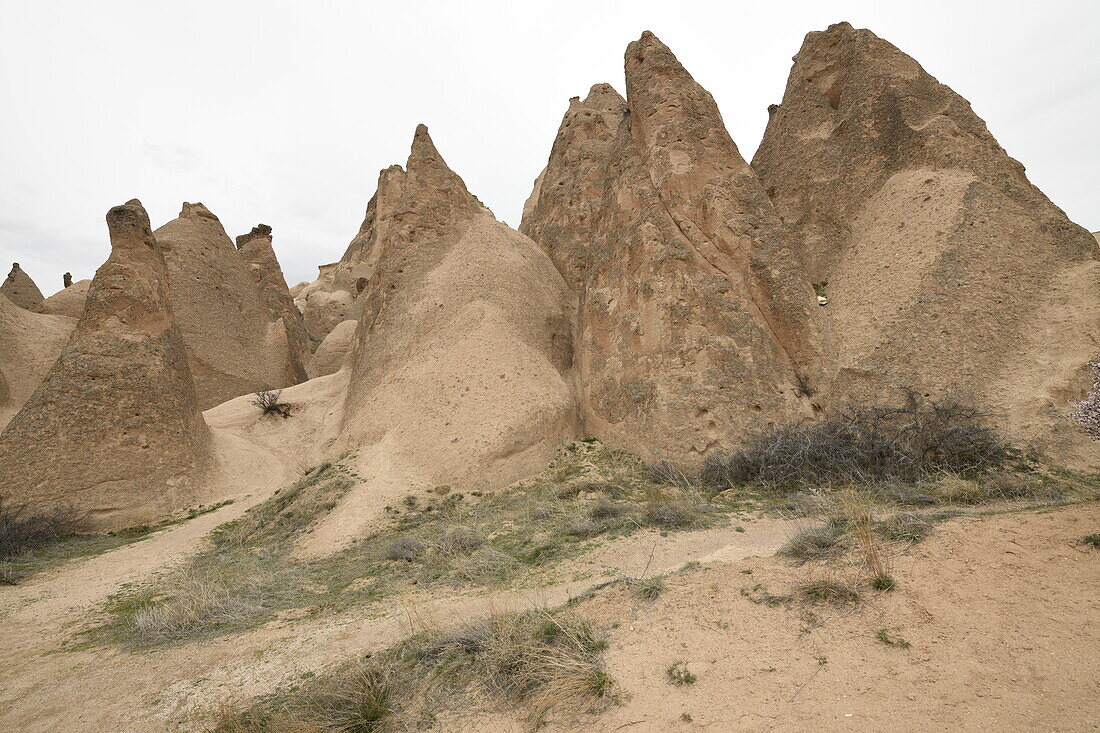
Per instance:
{"type": "Point", "coordinates": [537, 661]}
{"type": "Point", "coordinates": [647, 589]}
{"type": "Point", "coordinates": [1092, 540]}
{"type": "Point", "coordinates": [269, 404]}
{"type": "Point", "coordinates": [890, 638]}
{"type": "Point", "coordinates": [679, 675]}
{"type": "Point", "coordinates": [828, 590]}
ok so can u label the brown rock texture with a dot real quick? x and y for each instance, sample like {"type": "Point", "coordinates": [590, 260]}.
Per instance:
{"type": "Point", "coordinates": [256, 250]}
{"type": "Point", "coordinates": [697, 322]}
{"type": "Point", "coordinates": [234, 344]}
{"type": "Point", "coordinates": [114, 427]}
{"type": "Point", "coordinates": [332, 352]}
{"type": "Point", "coordinates": [68, 302]}
{"type": "Point", "coordinates": [20, 289]}
{"type": "Point", "coordinates": [29, 345]}
{"type": "Point", "coordinates": [947, 271]}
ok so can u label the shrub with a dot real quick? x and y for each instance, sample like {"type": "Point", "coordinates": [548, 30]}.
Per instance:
{"type": "Point", "coordinates": [813, 543]}
{"type": "Point", "coordinates": [23, 529]}
{"type": "Point", "coordinates": [887, 637]}
{"type": "Point", "coordinates": [605, 508]}
{"type": "Point", "coordinates": [828, 591]}
{"type": "Point", "coordinates": [678, 674]}
{"type": "Point", "coordinates": [866, 443]}
{"type": "Point", "coordinates": [580, 527]}
{"type": "Point", "coordinates": [647, 589]}
{"type": "Point", "coordinates": [906, 527]}
{"type": "Point", "coordinates": [406, 548]}
{"type": "Point", "coordinates": [1092, 540]}
{"type": "Point", "coordinates": [268, 402]}
{"type": "Point", "coordinates": [1087, 411]}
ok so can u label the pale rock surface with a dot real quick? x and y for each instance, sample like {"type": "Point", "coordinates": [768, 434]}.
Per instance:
{"type": "Point", "coordinates": [333, 351]}
{"type": "Point", "coordinates": [697, 323]}
{"type": "Point", "coordinates": [257, 251]}
{"type": "Point", "coordinates": [114, 428]}
{"type": "Point", "coordinates": [460, 372]}
{"type": "Point", "coordinates": [20, 289]}
{"type": "Point", "coordinates": [234, 344]}
{"type": "Point", "coordinates": [29, 345]}
{"type": "Point", "coordinates": [67, 302]}
{"type": "Point", "coordinates": [947, 271]}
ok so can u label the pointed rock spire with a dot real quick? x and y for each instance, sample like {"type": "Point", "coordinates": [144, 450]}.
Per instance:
{"type": "Point", "coordinates": [946, 270]}
{"type": "Point", "coordinates": [256, 250]}
{"type": "Point", "coordinates": [561, 213]}
{"type": "Point", "coordinates": [20, 289]}
{"type": "Point", "coordinates": [234, 344]}
{"type": "Point", "coordinates": [115, 426]}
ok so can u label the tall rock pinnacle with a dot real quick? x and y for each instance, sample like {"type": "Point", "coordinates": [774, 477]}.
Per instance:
{"type": "Point", "coordinates": [946, 270]}
{"type": "Point", "coordinates": [115, 426]}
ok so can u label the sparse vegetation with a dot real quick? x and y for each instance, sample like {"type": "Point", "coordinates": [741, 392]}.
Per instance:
{"type": "Point", "coordinates": [889, 638]}
{"type": "Point", "coordinates": [858, 510]}
{"type": "Point", "coordinates": [538, 661]}
{"type": "Point", "coordinates": [816, 542]}
{"type": "Point", "coordinates": [23, 529]}
{"type": "Point", "coordinates": [759, 594]}
{"type": "Point", "coordinates": [1087, 411]}
{"type": "Point", "coordinates": [647, 589]}
{"type": "Point", "coordinates": [678, 674]}
{"type": "Point", "coordinates": [269, 404]}
{"type": "Point", "coordinates": [1092, 540]}
{"type": "Point", "coordinates": [916, 439]}
{"type": "Point", "coordinates": [827, 590]}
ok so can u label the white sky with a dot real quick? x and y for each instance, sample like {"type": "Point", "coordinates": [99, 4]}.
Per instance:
{"type": "Point", "coordinates": [284, 112]}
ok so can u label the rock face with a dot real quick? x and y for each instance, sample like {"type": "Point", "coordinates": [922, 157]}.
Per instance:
{"type": "Point", "coordinates": [20, 289]}
{"type": "Point", "coordinates": [946, 270]}
{"type": "Point", "coordinates": [696, 321]}
{"type": "Point", "coordinates": [256, 250]}
{"type": "Point", "coordinates": [68, 302]}
{"type": "Point", "coordinates": [461, 368]}
{"type": "Point", "coordinates": [114, 427]}
{"type": "Point", "coordinates": [29, 345]}
{"type": "Point", "coordinates": [330, 355]}
{"type": "Point", "coordinates": [234, 344]}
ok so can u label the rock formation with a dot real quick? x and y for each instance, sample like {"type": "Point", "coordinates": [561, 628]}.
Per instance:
{"type": "Point", "coordinates": [114, 427]}
{"type": "Point", "coordinates": [461, 367]}
{"type": "Point", "coordinates": [234, 344]}
{"type": "Point", "coordinates": [696, 321]}
{"type": "Point", "coordinates": [946, 270]}
{"type": "Point", "coordinates": [29, 345]}
{"type": "Point", "coordinates": [67, 279]}
{"type": "Point", "coordinates": [68, 302]}
{"type": "Point", "coordinates": [20, 289]}
{"type": "Point", "coordinates": [332, 352]}
{"type": "Point", "coordinates": [255, 247]}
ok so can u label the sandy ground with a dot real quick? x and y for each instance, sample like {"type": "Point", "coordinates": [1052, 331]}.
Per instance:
{"type": "Point", "coordinates": [1001, 612]}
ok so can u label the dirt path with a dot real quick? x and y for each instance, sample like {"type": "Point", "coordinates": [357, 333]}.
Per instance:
{"type": "Point", "coordinates": [177, 687]}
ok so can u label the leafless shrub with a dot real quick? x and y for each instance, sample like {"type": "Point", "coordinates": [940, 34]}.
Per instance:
{"type": "Point", "coordinates": [1087, 411]}
{"type": "Point", "coordinates": [268, 402]}
{"type": "Point", "coordinates": [867, 443]}
{"type": "Point", "coordinates": [23, 529]}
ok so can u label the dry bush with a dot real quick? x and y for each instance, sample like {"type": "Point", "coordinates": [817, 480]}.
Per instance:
{"type": "Point", "coordinates": [268, 402]}
{"type": "Point", "coordinates": [918, 438]}
{"type": "Point", "coordinates": [861, 523]}
{"type": "Point", "coordinates": [906, 527]}
{"type": "Point", "coordinates": [406, 548]}
{"type": "Point", "coordinates": [195, 602]}
{"type": "Point", "coordinates": [647, 589]}
{"type": "Point", "coordinates": [23, 529]}
{"type": "Point", "coordinates": [817, 542]}
{"type": "Point", "coordinates": [537, 661]}
{"type": "Point", "coordinates": [828, 590]}
{"type": "Point", "coordinates": [1087, 411]}
{"type": "Point", "coordinates": [604, 508]}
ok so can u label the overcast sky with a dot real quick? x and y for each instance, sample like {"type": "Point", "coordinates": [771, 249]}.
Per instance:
{"type": "Point", "coordinates": [284, 112]}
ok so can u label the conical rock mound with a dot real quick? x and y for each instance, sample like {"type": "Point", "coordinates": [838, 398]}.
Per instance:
{"type": "Point", "coordinates": [20, 289]}
{"type": "Point", "coordinates": [29, 345]}
{"type": "Point", "coordinates": [234, 344]}
{"type": "Point", "coordinates": [461, 368]}
{"type": "Point", "coordinates": [946, 270]}
{"type": "Point", "coordinates": [67, 302]}
{"type": "Point", "coordinates": [696, 323]}
{"type": "Point", "coordinates": [256, 250]}
{"type": "Point", "coordinates": [114, 427]}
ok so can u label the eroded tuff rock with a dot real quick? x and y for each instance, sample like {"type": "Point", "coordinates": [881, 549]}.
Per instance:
{"type": "Point", "coordinates": [234, 344]}
{"type": "Point", "coordinates": [68, 302]}
{"type": "Point", "coordinates": [29, 345]}
{"type": "Point", "coordinates": [114, 427]}
{"type": "Point", "coordinates": [20, 289]}
{"type": "Point", "coordinates": [332, 352]}
{"type": "Point", "coordinates": [256, 250]}
{"type": "Point", "coordinates": [696, 322]}
{"type": "Point", "coordinates": [460, 371]}
{"type": "Point", "coordinates": [562, 210]}
{"type": "Point", "coordinates": [947, 270]}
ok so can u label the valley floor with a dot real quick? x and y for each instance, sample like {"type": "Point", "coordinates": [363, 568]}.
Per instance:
{"type": "Point", "coordinates": [999, 611]}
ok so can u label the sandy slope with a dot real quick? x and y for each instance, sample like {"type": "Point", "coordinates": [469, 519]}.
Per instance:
{"type": "Point", "coordinates": [1001, 612]}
